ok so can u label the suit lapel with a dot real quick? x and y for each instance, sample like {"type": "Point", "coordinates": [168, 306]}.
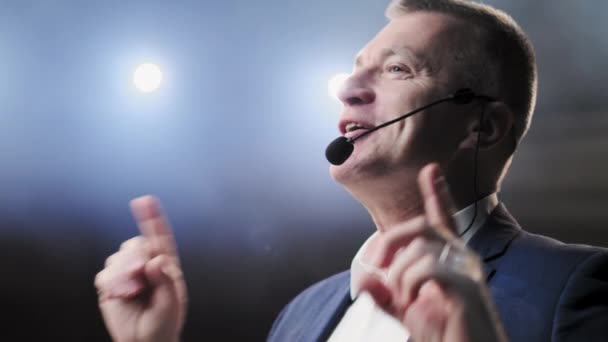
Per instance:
{"type": "Point", "coordinates": [493, 238]}
{"type": "Point", "coordinates": [324, 324]}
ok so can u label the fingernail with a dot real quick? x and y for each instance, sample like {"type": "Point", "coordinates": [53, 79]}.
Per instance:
{"type": "Point", "coordinates": [440, 183]}
{"type": "Point", "coordinates": [145, 207]}
{"type": "Point", "coordinates": [438, 177]}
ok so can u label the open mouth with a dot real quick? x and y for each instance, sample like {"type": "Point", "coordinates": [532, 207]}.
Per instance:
{"type": "Point", "coordinates": [354, 129]}
{"type": "Point", "coordinates": [353, 126]}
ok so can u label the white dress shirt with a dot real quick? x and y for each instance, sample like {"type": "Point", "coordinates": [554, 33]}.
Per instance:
{"type": "Point", "coordinates": [364, 320]}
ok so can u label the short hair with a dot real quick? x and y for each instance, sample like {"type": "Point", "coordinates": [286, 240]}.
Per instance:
{"type": "Point", "coordinates": [499, 48]}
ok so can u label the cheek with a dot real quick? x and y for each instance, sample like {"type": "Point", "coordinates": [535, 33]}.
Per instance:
{"type": "Point", "coordinates": [435, 136]}
{"type": "Point", "coordinates": [408, 141]}
{"type": "Point", "coordinates": [448, 132]}
{"type": "Point", "coordinates": [409, 135]}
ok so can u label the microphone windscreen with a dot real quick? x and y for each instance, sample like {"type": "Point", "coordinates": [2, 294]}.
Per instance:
{"type": "Point", "coordinates": [339, 150]}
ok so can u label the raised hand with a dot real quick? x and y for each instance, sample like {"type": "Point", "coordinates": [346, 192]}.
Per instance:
{"type": "Point", "coordinates": [142, 292]}
{"type": "Point", "coordinates": [434, 299]}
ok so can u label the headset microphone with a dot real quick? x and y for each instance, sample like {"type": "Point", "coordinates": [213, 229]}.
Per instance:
{"type": "Point", "coordinates": [341, 148]}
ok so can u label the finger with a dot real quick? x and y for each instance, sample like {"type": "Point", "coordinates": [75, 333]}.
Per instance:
{"type": "Point", "coordinates": [427, 269]}
{"type": "Point", "coordinates": [393, 240]}
{"type": "Point", "coordinates": [165, 274]}
{"type": "Point", "coordinates": [378, 290]}
{"type": "Point", "coordinates": [426, 318]}
{"type": "Point", "coordinates": [456, 285]}
{"type": "Point", "coordinates": [438, 204]}
{"type": "Point", "coordinates": [138, 242]}
{"type": "Point", "coordinates": [431, 289]}
{"type": "Point", "coordinates": [127, 260]}
{"type": "Point", "coordinates": [422, 270]}
{"type": "Point", "coordinates": [134, 248]}
{"type": "Point", "coordinates": [112, 285]}
{"type": "Point", "coordinates": [417, 249]}
{"type": "Point", "coordinates": [153, 224]}
{"type": "Point", "coordinates": [123, 274]}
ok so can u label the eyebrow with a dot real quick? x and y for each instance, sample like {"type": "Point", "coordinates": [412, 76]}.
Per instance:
{"type": "Point", "coordinates": [419, 61]}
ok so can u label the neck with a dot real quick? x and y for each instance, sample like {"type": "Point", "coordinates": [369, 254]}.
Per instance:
{"type": "Point", "coordinates": [388, 204]}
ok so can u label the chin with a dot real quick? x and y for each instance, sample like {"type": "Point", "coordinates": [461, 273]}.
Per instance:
{"type": "Point", "coordinates": [346, 172]}
{"type": "Point", "coordinates": [350, 176]}
{"type": "Point", "coordinates": [363, 170]}
{"type": "Point", "coordinates": [356, 170]}
{"type": "Point", "coordinates": [339, 173]}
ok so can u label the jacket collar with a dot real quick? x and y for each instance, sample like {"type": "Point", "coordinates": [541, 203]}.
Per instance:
{"type": "Point", "coordinates": [494, 238]}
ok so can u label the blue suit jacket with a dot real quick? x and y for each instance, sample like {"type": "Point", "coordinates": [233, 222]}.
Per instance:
{"type": "Point", "coordinates": [544, 290]}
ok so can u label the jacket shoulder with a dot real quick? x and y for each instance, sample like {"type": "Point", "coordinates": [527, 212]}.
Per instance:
{"type": "Point", "coordinates": [541, 266]}
{"type": "Point", "coordinates": [534, 246]}
{"type": "Point", "coordinates": [313, 309]}
{"type": "Point", "coordinates": [538, 277]}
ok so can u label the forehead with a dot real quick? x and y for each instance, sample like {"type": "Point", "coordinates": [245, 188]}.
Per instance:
{"type": "Point", "coordinates": [418, 35]}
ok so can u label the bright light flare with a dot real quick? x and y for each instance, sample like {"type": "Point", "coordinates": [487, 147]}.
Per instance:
{"type": "Point", "coordinates": [147, 77]}
{"type": "Point", "coordinates": [335, 84]}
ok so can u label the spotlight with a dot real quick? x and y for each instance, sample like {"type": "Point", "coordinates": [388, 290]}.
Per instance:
{"type": "Point", "coordinates": [147, 77]}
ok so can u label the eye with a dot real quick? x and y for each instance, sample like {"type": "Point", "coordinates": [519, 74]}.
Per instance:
{"type": "Point", "coordinates": [395, 68]}
{"type": "Point", "coordinates": [397, 71]}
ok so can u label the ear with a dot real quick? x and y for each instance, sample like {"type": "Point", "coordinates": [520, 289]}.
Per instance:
{"type": "Point", "coordinates": [496, 125]}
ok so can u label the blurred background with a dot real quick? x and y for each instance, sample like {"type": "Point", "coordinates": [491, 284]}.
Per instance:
{"type": "Point", "coordinates": [232, 142]}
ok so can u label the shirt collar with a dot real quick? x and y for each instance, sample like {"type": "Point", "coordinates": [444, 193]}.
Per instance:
{"type": "Point", "coordinates": [462, 219]}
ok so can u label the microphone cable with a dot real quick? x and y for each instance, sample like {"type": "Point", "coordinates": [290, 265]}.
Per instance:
{"type": "Point", "coordinates": [475, 166]}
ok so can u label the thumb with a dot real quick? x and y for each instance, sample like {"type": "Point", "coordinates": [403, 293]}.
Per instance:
{"type": "Point", "coordinates": [163, 316]}
{"type": "Point", "coordinates": [167, 282]}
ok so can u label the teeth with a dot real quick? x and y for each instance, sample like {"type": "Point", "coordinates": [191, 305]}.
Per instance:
{"type": "Point", "coordinates": [352, 126]}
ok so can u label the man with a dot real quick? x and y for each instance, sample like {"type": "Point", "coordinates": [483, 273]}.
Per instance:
{"type": "Point", "coordinates": [447, 263]}
{"type": "Point", "coordinates": [542, 290]}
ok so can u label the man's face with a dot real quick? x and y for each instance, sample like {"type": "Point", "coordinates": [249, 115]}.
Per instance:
{"type": "Point", "coordinates": [406, 66]}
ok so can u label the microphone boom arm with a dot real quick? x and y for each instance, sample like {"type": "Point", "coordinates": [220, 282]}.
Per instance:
{"type": "Point", "coordinates": [402, 117]}
{"type": "Point", "coordinates": [341, 148]}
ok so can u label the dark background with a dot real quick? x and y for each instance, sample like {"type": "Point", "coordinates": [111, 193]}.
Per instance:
{"type": "Point", "coordinates": [233, 144]}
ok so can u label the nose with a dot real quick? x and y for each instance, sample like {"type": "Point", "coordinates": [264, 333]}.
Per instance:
{"type": "Point", "coordinates": [355, 91]}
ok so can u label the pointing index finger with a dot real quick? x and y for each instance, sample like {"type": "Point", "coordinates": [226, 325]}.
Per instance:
{"type": "Point", "coordinates": [153, 224]}
{"type": "Point", "coordinates": [438, 203]}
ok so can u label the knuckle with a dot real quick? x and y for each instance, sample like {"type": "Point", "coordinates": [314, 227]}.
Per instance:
{"type": "Point", "coordinates": [383, 246]}
{"type": "Point", "coordinates": [163, 259]}
{"type": "Point", "coordinates": [110, 260]}
{"type": "Point", "coordinates": [418, 245]}
{"type": "Point", "coordinates": [160, 260]}
{"type": "Point", "coordinates": [428, 260]}
{"type": "Point", "coordinates": [124, 260]}
{"type": "Point", "coordinates": [169, 261]}
{"type": "Point", "coordinates": [392, 245]}
{"type": "Point", "coordinates": [133, 243]}
{"type": "Point", "coordinates": [99, 280]}
{"type": "Point", "coordinates": [419, 225]}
